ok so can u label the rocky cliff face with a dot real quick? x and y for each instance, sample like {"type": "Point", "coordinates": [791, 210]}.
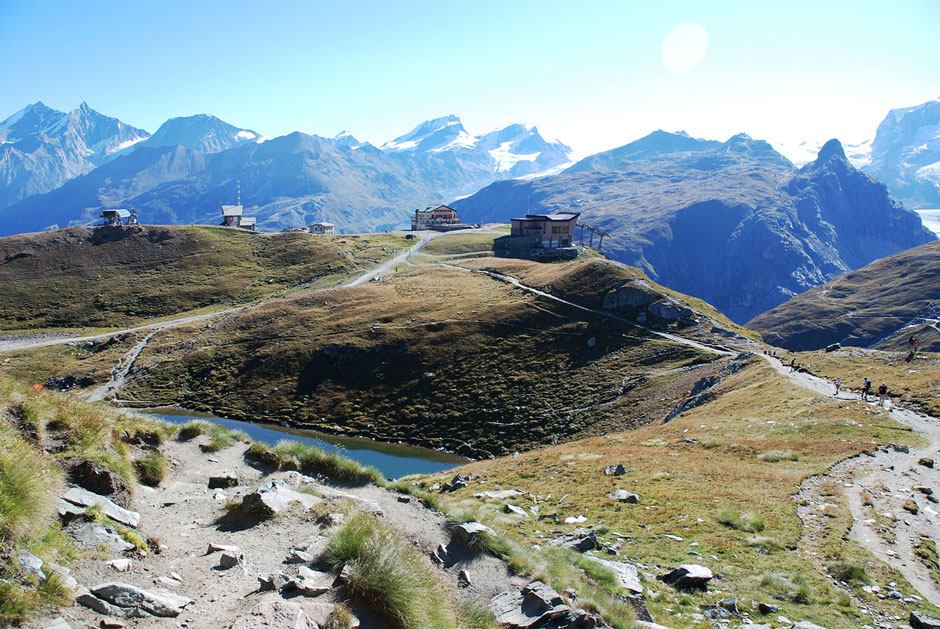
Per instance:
{"type": "Point", "coordinates": [906, 154]}
{"type": "Point", "coordinates": [735, 224]}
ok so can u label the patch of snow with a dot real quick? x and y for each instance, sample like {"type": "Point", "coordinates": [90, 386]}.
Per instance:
{"type": "Point", "coordinates": [931, 220]}
{"type": "Point", "coordinates": [554, 170]}
{"type": "Point", "coordinates": [246, 135]}
{"type": "Point", "coordinates": [124, 145]}
{"type": "Point", "coordinates": [463, 141]}
{"type": "Point", "coordinates": [399, 146]}
{"type": "Point", "coordinates": [931, 172]}
{"type": "Point", "coordinates": [506, 159]}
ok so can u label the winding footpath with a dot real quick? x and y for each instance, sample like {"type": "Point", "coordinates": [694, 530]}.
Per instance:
{"type": "Point", "coordinates": [877, 486]}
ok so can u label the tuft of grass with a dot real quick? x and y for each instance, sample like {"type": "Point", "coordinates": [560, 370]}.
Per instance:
{"type": "Point", "coordinates": [850, 572]}
{"type": "Point", "coordinates": [764, 543]}
{"type": "Point", "coordinates": [311, 459]}
{"type": "Point", "coordinates": [775, 456]}
{"type": "Point", "coordinates": [339, 618]}
{"type": "Point", "coordinates": [748, 522]}
{"type": "Point", "coordinates": [129, 535]}
{"type": "Point", "coordinates": [390, 575]}
{"type": "Point", "coordinates": [192, 429]}
{"type": "Point", "coordinates": [152, 468]}
{"type": "Point", "coordinates": [474, 616]}
{"type": "Point", "coordinates": [29, 483]}
{"type": "Point", "coordinates": [19, 602]}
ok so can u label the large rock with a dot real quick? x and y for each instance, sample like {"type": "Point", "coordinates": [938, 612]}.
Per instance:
{"type": "Point", "coordinates": [95, 535]}
{"type": "Point", "coordinates": [627, 574]}
{"type": "Point", "coordinates": [97, 479]}
{"type": "Point", "coordinates": [30, 564]}
{"type": "Point", "coordinates": [85, 498]}
{"type": "Point", "coordinates": [688, 576]}
{"type": "Point", "coordinates": [535, 606]}
{"type": "Point", "coordinates": [805, 624]}
{"type": "Point", "coordinates": [622, 495]}
{"type": "Point", "coordinates": [275, 497]}
{"type": "Point", "coordinates": [310, 582]}
{"type": "Point", "coordinates": [157, 602]}
{"type": "Point", "coordinates": [223, 481]}
{"type": "Point", "coordinates": [468, 532]}
{"type": "Point", "coordinates": [501, 494]}
{"type": "Point", "coordinates": [581, 540]}
{"type": "Point", "coordinates": [920, 620]}
{"type": "Point", "coordinates": [274, 614]}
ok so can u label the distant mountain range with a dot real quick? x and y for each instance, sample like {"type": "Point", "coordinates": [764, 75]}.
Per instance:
{"type": "Point", "coordinates": [734, 223]}
{"type": "Point", "coordinates": [61, 169]}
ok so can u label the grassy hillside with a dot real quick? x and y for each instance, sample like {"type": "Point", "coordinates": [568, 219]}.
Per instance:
{"type": "Point", "coordinates": [107, 277]}
{"type": "Point", "coordinates": [864, 308]}
{"type": "Point", "coordinates": [716, 486]}
{"type": "Point", "coordinates": [433, 356]}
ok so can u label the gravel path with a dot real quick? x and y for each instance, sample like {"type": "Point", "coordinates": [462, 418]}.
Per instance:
{"type": "Point", "coordinates": [886, 479]}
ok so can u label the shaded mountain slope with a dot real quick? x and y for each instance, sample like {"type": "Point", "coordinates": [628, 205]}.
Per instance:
{"type": "Point", "coordinates": [735, 225]}
{"type": "Point", "coordinates": [879, 305]}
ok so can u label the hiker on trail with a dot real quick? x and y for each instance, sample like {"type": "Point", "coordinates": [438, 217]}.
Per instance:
{"type": "Point", "coordinates": [912, 343]}
{"type": "Point", "coordinates": [838, 385]}
{"type": "Point", "coordinates": [882, 392]}
{"type": "Point", "coordinates": [865, 389]}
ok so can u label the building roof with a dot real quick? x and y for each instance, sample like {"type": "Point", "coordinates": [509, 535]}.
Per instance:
{"type": "Point", "coordinates": [432, 208]}
{"type": "Point", "coordinates": [557, 216]}
{"type": "Point", "coordinates": [323, 224]}
{"type": "Point", "coordinates": [231, 210]}
{"type": "Point", "coordinates": [118, 213]}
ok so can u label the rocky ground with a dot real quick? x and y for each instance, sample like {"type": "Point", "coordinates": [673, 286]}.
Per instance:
{"type": "Point", "coordinates": [186, 517]}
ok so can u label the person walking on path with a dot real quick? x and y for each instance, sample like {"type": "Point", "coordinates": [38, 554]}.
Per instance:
{"type": "Point", "coordinates": [912, 343]}
{"type": "Point", "coordinates": [882, 392]}
{"type": "Point", "coordinates": [838, 385]}
{"type": "Point", "coordinates": [866, 387]}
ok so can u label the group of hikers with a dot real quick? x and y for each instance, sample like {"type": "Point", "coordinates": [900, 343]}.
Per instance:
{"type": "Point", "coordinates": [866, 390]}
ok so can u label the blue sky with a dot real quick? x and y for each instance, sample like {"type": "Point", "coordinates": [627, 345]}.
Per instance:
{"type": "Point", "coordinates": [588, 73]}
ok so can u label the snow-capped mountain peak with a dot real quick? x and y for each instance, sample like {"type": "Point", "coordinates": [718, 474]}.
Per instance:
{"type": "Point", "coordinates": [436, 134]}
{"type": "Point", "coordinates": [206, 133]}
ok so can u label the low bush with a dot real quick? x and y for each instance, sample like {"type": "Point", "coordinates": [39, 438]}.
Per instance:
{"type": "Point", "coordinates": [152, 468]}
{"type": "Point", "coordinates": [774, 456]}
{"type": "Point", "coordinates": [850, 572]}
{"type": "Point", "coordinates": [748, 522]}
{"type": "Point", "coordinates": [390, 575]}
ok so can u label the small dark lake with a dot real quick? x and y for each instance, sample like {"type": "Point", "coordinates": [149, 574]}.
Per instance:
{"type": "Point", "coordinates": [393, 460]}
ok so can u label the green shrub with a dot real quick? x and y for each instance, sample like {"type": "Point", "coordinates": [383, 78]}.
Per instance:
{"type": "Point", "coordinates": [850, 572]}
{"type": "Point", "coordinates": [774, 456]}
{"type": "Point", "coordinates": [312, 460]}
{"type": "Point", "coordinates": [473, 616]}
{"type": "Point", "coordinates": [390, 575]}
{"type": "Point", "coordinates": [152, 468]}
{"type": "Point", "coordinates": [748, 522]}
{"type": "Point", "coordinates": [192, 429]}
{"type": "Point", "coordinates": [339, 618]}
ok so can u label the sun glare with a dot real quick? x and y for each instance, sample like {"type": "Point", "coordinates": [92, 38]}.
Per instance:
{"type": "Point", "coordinates": [685, 47]}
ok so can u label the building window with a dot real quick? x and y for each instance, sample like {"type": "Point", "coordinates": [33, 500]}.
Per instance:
{"type": "Point", "coordinates": [559, 229]}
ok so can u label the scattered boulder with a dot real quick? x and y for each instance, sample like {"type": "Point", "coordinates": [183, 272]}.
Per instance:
{"type": "Point", "coordinates": [299, 556]}
{"type": "Point", "coordinates": [84, 498]}
{"type": "Point", "coordinates": [223, 481]}
{"type": "Point", "coordinates": [925, 461]}
{"type": "Point", "coordinates": [538, 605]}
{"type": "Point", "coordinates": [98, 479]}
{"type": "Point", "coordinates": [85, 598]}
{"type": "Point", "coordinates": [911, 507]}
{"type": "Point", "coordinates": [345, 574]}
{"type": "Point", "coordinates": [511, 508]}
{"type": "Point", "coordinates": [310, 582]}
{"type": "Point", "coordinates": [229, 560]}
{"type": "Point", "coordinates": [157, 602]}
{"type": "Point", "coordinates": [274, 614]}
{"type": "Point", "coordinates": [274, 581]}
{"type": "Point", "coordinates": [581, 540]}
{"type": "Point", "coordinates": [833, 348]}
{"type": "Point", "coordinates": [805, 624]}
{"type": "Point", "coordinates": [94, 535]}
{"type": "Point", "coordinates": [68, 511]}
{"type": "Point", "coordinates": [627, 574]}
{"type": "Point", "coordinates": [502, 494]}
{"type": "Point", "coordinates": [463, 578]}
{"type": "Point", "coordinates": [615, 470]}
{"type": "Point", "coordinates": [468, 532]}
{"type": "Point", "coordinates": [920, 620]}
{"type": "Point", "coordinates": [275, 497]}
{"type": "Point", "coordinates": [622, 495]}
{"type": "Point", "coordinates": [221, 548]}
{"type": "Point", "coordinates": [58, 623]}
{"type": "Point", "coordinates": [927, 491]}
{"type": "Point", "coordinates": [767, 608]}
{"type": "Point", "coordinates": [30, 564]}
{"type": "Point", "coordinates": [121, 565]}
{"type": "Point", "coordinates": [65, 576]}
{"type": "Point", "coordinates": [688, 576]}
{"type": "Point", "coordinates": [458, 482]}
